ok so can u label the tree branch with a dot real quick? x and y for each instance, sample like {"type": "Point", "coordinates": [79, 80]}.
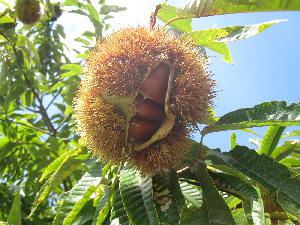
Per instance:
{"type": "Point", "coordinates": [43, 111]}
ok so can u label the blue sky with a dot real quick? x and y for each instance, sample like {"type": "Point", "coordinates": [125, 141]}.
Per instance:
{"type": "Point", "coordinates": [266, 67]}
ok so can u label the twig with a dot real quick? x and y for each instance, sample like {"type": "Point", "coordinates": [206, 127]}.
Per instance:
{"type": "Point", "coordinates": [173, 20]}
{"type": "Point", "coordinates": [50, 103]}
{"type": "Point", "coordinates": [153, 16]}
{"type": "Point", "coordinates": [62, 122]}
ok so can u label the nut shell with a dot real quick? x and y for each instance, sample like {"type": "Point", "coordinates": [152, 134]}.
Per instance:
{"type": "Point", "coordinates": [156, 84]}
{"type": "Point", "coordinates": [141, 130]}
{"type": "Point", "coordinates": [146, 109]}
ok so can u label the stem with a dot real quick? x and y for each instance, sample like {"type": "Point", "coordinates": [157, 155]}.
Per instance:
{"type": "Point", "coordinates": [50, 103]}
{"type": "Point", "coordinates": [173, 20]}
{"type": "Point", "coordinates": [62, 122]}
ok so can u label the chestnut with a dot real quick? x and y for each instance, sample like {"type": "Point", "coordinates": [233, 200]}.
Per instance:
{"type": "Point", "coordinates": [156, 84]}
{"type": "Point", "coordinates": [146, 109]}
{"type": "Point", "coordinates": [141, 130]}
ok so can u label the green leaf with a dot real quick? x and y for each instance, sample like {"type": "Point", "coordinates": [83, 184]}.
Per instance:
{"type": "Point", "coordinates": [52, 167]}
{"type": "Point", "coordinates": [192, 194]}
{"type": "Point", "coordinates": [167, 13]}
{"type": "Point", "coordinates": [217, 209]}
{"type": "Point", "coordinates": [4, 3]}
{"type": "Point", "coordinates": [265, 114]}
{"type": "Point", "coordinates": [228, 34]}
{"type": "Point", "coordinates": [168, 198]}
{"type": "Point", "coordinates": [64, 170]}
{"type": "Point", "coordinates": [93, 12]}
{"type": "Point", "coordinates": [102, 208]}
{"type": "Point", "coordinates": [106, 9]}
{"type": "Point", "coordinates": [194, 216]}
{"type": "Point", "coordinates": [232, 141]}
{"type": "Point", "coordinates": [252, 201]}
{"type": "Point", "coordinates": [290, 162]}
{"type": "Point", "coordinates": [78, 196]}
{"type": "Point", "coordinates": [14, 217]}
{"type": "Point", "coordinates": [71, 3]}
{"type": "Point", "coordinates": [27, 98]}
{"type": "Point", "coordinates": [6, 19]}
{"type": "Point", "coordinates": [202, 8]}
{"type": "Point", "coordinates": [264, 170]}
{"type": "Point", "coordinates": [240, 217]}
{"type": "Point", "coordinates": [221, 48]}
{"type": "Point", "coordinates": [118, 213]}
{"type": "Point", "coordinates": [254, 209]}
{"type": "Point", "coordinates": [137, 195]}
{"type": "Point", "coordinates": [292, 207]}
{"type": "Point", "coordinates": [294, 133]}
{"type": "Point", "coordinates": [271, 139]}
{"type": "Point", "coordinates": [232, 202]}
{"type": "Point", "coordinates": [285, 150]}
{"type": "Point", "coordinates": [72, 67]}
{"type": "Point", "coordinates": [216, 38]}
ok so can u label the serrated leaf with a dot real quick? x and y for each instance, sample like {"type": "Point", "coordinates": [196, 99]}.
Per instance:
{"type": "Point", "coordinates": [192, 194]}
{"type": "Point", "coordinates": [221, 48]}
{"type": "Point", "coordinates": [285, 202]}
{"type": "Point", "coordinates": [264, 170]}
{"type": "Point", "coordinates": [168, 12]}
{"type": "Point", "coordinates": [217, 209]}
{"type": "Point", "coordinates": [294, 133]}
{"type": "Point", "coordinates": [102, 208]}
{"type": "Point", "coordinates": [52, 167]}
{"type": "Point", "coordinates": [285, 150]}
{"type": "Point", "coordinates": [252, 201]}
{"type": "Point", "coordinates": [228, 34]}
{"type": "Point", "coordinates": [168, 198]}
{"type": "Point", "coordinates": [14, 217]}
{"type": "Point", "coordinates": [290, 162]}
{"type": "Point", "coordinates": [270, 139]}
{"type": "Point", "coordinates": [65, 169]}
{"type": "Point", "coordinates": [137, 195]}
{"type": "Point", "coordinates": [78, 196]}
{"type": "Point", "coordinates": [239, 217]}
{"type": "Point", "coordinates": [118, 213]}
{"type": "Point", "coordinates": [93, 12]}
{"type": "Point", "coordinates": [216, 38]}
{"type": "Point", "coordinates": [194, 216]}
{"type": "Point", "coordinates": [254, 210]}
{"type": "Point", "coordinates": [265, 114]}
{"type": "Point", "coordinates": [202, 8]}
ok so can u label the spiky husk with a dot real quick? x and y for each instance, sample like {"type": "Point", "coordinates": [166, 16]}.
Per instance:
{"type": "Point", "coordinates": [117, 67]}
{"type": "Point", "coordinates": [100, 125]}
{"type": "Point", "coordinates": [28, 11]}
{"type": "Point", "coordinates": [164, 153]}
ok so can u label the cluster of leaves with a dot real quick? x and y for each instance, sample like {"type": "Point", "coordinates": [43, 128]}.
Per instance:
{"type": "Point", "coordinates": [211, 187]}
{"type": "Point", "coordinates": [38, 82]}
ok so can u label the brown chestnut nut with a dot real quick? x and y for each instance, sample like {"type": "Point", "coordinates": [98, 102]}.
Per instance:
{"type": "Point", "coordinates": [141, 130]}
{"type": "Point", "coordinates": [146, 109]}
{"type": "Point", "coordinates": [156, 84]}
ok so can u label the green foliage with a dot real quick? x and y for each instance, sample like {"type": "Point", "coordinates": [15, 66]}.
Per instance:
{"type": "Point", "coordinates": [265, 114]}
{"type": "Point", "coordinates": [39, 76]}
